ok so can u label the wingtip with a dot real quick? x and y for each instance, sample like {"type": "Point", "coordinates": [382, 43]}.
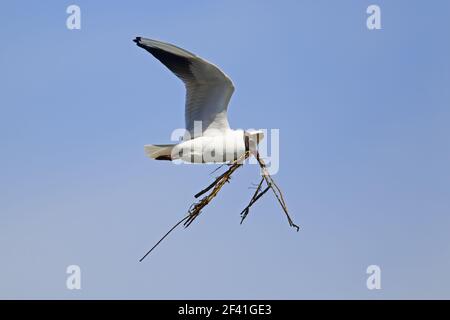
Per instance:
{"type": "Point", "coordinates": [137, 40]}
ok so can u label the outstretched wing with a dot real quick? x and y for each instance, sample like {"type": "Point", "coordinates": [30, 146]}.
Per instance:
{"type": "Point", "coordinates": [208, 89]}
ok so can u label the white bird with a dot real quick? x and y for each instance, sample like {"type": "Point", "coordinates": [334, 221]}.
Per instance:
{"type": "Point", "coordinates": [208, 138]}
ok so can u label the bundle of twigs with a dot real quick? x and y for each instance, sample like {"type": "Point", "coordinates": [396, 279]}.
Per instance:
{"type": "Point", "coordinates": [218, 183]}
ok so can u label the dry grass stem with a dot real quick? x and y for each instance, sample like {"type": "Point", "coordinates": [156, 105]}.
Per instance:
{"type": "Point", "coordinates": [217, 185]}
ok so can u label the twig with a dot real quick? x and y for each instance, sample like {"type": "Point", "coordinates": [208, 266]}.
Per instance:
{"type": "Point", "coordinates": [212, 184]}
{"type": "Point", "coordinates": [220, 181]}
{"type": "Point", "coordinates": [255, 197]}
{"type": "Point", "coordinates": [217, 169]}
{"type": "Point", "coordinates": [160, 240]}
{"type": "Point", "coordinates": [276, 190]}
{"type": "Point", "coordinates": [215, 186]}
{"type": "Point", "coordinates": [195, 208]}
{"type": "Point", "coordinates": [233, 166]}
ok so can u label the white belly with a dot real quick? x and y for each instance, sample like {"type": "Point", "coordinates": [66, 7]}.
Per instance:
{"type": "Point", "coordinates": [215, 149]}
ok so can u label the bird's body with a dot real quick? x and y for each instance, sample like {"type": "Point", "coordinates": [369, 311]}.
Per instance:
{"type": "Point", "coordinates": [226, 147]}
{"type": "Point", "coordinates": [208, 138]}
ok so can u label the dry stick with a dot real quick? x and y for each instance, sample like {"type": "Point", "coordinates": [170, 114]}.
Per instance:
{"type": "Point", "coordinates": [216, 186]}
{"type": "Point", "coordinates": [255, 197]}
{"type": "Point", "coordinates": [217, 169]}
{"type": "Point", "coordinates": [160, 240]}
{"type": "Point", "coordinates": [227, 173]}
{"type": "Point", "coordinates": [195, 208]}
{"type": "Point", "coordinates": [276, 190]}
{"type": "Point", "coordinates": [211, 185]}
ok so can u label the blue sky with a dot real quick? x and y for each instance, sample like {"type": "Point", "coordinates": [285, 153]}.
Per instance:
{"type": "Point", "coordinates": [364, 151]}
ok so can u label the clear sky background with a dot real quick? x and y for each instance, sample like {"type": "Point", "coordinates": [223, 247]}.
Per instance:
{"type": "Point", "coordinates": [364, 157]}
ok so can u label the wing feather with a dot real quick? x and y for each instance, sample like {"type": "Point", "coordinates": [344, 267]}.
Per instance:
{"type": "Point", "coordinates": [208, 89]}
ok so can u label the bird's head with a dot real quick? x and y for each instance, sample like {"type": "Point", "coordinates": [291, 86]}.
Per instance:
{"type": "Point", "coordinates": [252, 139]}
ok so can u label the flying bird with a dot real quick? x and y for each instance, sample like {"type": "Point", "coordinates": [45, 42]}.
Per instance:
{"type": "Point", "coordinates": [208, 137]}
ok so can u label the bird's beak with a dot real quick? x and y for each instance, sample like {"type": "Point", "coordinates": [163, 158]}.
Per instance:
{"type": "Point", "coordinates": [254, 138]}
{"type": "Point", "coordinates": [259, 136]}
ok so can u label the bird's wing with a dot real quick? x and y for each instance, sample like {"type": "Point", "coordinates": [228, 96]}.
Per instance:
{"type": "Point", "coordinates": [208, 89]}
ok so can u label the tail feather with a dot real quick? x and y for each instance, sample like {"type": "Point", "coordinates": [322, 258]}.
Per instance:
{"type": "Point", "coordinates": [159, 151]}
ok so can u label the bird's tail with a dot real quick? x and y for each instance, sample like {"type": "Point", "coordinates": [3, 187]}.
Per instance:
{"type": "Point", "coordinates": [159, 151]}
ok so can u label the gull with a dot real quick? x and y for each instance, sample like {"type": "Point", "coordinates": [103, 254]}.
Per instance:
{"type": "Point", "coordinates": [208, 137]}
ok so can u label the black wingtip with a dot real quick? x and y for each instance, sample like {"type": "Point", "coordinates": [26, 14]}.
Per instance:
{"type": "Point", "coordinates": [137, 40]}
